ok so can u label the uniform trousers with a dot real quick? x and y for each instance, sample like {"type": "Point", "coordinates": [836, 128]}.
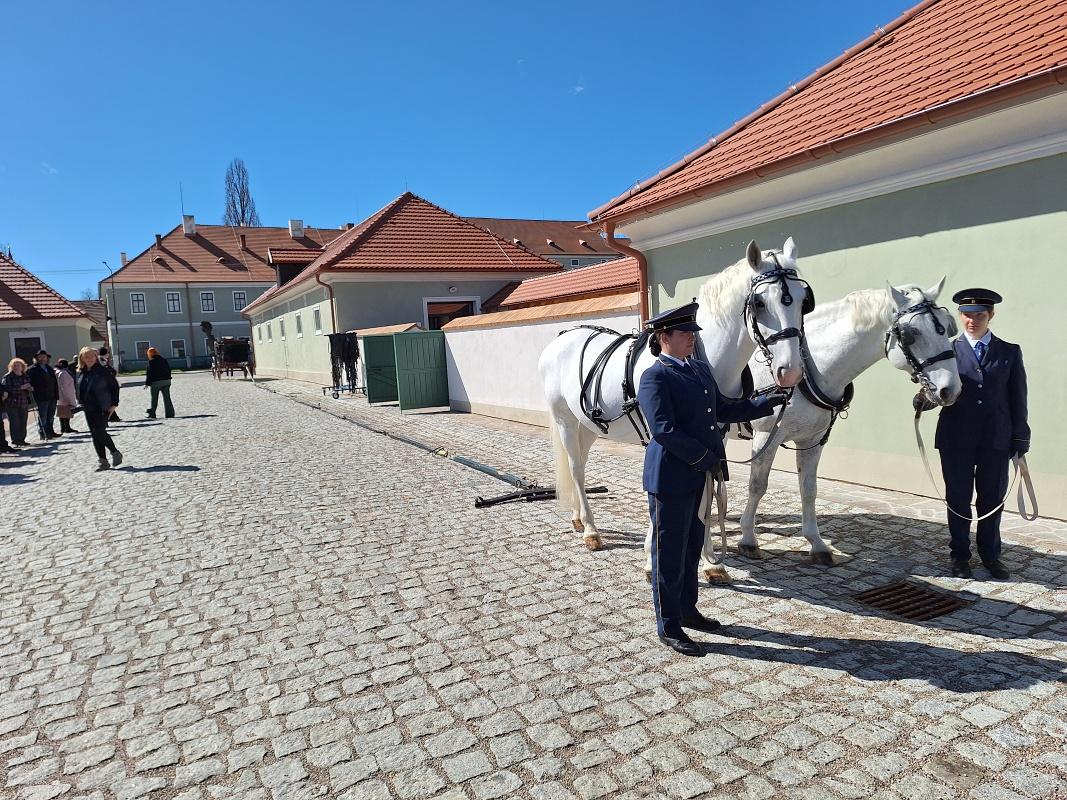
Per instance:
{"type": "Point", "coordinates": [969, 471]}
{"type": "Point", "coordinates": [677, 541]}
{"type": "Point", "coordinates": [102, 441]}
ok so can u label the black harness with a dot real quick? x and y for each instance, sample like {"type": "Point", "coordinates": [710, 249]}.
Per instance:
{"type": "Point", "coordinates": [905, 335]}
{"type": "Point", "coordinates": [780, 275]}
{"type": "Point", "coordinates": [592, 398]}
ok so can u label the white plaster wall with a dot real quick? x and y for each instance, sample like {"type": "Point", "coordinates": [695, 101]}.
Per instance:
{"type": "Point", "coordinates": [493, 371]}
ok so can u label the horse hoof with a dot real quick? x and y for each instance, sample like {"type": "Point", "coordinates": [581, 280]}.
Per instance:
{"type": "Point", "coordinates": [751, 551]}
{"type": "Point", "coordinates": [822, 558]}
{"type": "Point", "coordinates": [593, 541]}
{"type": "Point", "coordinates": [717, 575]}
{"type": "Point", "coordinates": [578, 525]}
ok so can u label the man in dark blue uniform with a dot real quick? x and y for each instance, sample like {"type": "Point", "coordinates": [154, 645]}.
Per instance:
{"type": "Point", "coordinates": [683, 407]}
{"type": "Point", "coordinates": [981, 432]}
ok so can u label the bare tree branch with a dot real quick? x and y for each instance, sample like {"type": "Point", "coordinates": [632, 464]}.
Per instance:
{"type": "Point", "coordinates": [240, 207]}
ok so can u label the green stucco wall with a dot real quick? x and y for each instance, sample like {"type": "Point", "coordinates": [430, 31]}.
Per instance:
{"type": "Point", "coordinates": [1005, 229]}
{"type": "Point", "coordinates": [304, 355]}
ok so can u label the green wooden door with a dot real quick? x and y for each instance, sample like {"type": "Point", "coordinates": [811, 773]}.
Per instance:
{"type": "Point", "coordinates": [421, 374]}
{"type": "Point", "coordinates": [379, 365]}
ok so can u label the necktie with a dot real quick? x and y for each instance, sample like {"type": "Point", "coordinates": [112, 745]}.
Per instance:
{"type": "Point", "coordinates": [979, 351]}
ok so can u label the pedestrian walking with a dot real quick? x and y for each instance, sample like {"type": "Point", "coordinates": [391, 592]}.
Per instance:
{"type": "Point", "coordinates": [45, 394]}
{"type": "Point", "coordinates": [157, 379]}
{"type": "Point", "coordinates": [18, 400]}
{"type": "Point", "coordinates": [4, 446]}
{"type": "Point", "coordinates": [98, 392]}
{"type": "Point", "coordinates": [981, 432]}
{"type": "Point", "coordinates": [68, 396]}
{"type": "Point", "coordinates": [682, 405]}
{"type": "Point", "coordinates": [105, 359]}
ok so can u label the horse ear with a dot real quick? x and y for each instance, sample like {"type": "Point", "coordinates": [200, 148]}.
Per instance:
{"type": "Point", "coordinates": [933, 292]}
{"type": "Point", "coordinates": [899, 298]}
{"type": "Point", "coordinates": [754, 255]}
{"type": "Point", "coordinates": [789, 250]}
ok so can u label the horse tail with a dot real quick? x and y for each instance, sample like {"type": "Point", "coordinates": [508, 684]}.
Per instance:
{"type": "Point", "coordinates": [566, 490]}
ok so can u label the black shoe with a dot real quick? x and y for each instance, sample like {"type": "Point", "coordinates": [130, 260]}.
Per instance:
{"type": "Point", "coordinates": [116, 458]}
{"type": "Point", "coordinates": [961, 568]}
{"type": "Point", "coordinates": [997, 569]}
{"type": "Point", "coordinates": [684, 645]}
{"type": "Point", "coordinates": [699, 622]}
{"type": "Point", "coordinates": [150, 415]}
{"type": "Point", "coordinates": [103, 465]}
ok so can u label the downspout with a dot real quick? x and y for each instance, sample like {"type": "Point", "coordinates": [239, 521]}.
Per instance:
{"type": "Point", "coordinates": [192, 337]}
{"type": "Point", "coordinates": [642, 267]}
{"type": "Point", "coordinates": [329, 290]}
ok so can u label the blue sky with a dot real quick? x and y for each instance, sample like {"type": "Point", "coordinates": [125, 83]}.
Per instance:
{"type": "Point", "coordinates": [541, 110]}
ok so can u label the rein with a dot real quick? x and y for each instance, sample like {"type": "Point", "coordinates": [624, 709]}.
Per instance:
{"type": "Point", "coordinates": [901, 331]}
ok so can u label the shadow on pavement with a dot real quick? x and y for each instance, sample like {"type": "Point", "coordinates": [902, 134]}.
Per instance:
{"type": "Point", "coordinates": [161, 468]}
{"type": "Point", "coordinates": [14, 464]}
{"type": "Point", "coordinates": [885, 660]}
{"type": "Point", "coordinates": [18, 477]}
{"type": "Point", "coordinates": [196, 416]}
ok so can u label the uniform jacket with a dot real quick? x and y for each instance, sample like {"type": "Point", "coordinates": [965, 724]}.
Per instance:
{"type": "Point", "coordinates": [683, 408]}
{"type": "Point", "coordinates": [158, 370]}
{"type": "Point", "coordinates": [991, 409]}
{"type": "Point", "coordinates": [43, 379]}
{"type": "Point", "coordinates": [97, 389]}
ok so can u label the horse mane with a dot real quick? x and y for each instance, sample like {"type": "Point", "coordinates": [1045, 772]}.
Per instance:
{"type": "Point", "coordinates": [725, 292]}
{"type": "Point", "coordinates": [868, 308]}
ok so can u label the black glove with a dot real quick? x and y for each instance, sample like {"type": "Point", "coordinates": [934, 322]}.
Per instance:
{"type": "Point", "coordinates": [1020, 449]}
{"type": "Point", "coordinates": [922, 403]}
{"type": "Point", "coordinates": [777, 399]}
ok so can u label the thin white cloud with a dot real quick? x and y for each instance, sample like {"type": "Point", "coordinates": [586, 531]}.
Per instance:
{"type": "Point", "coordinates": [48, 169]}
{"type": "Point", "coordinates": [578, 89]}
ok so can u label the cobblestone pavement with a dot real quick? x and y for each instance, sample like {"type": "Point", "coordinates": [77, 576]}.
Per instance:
{"type": "Point", "coordinates": [270, 601]}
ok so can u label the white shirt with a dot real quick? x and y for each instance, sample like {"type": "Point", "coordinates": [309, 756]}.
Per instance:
{"type": "Point", "coordinates": [984, 340]}
{"type": "Point", "coordinates": [681, 362]}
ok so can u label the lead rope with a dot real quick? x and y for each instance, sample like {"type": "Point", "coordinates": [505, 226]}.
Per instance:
{"type": "Point", "coordinates": [715, 486]}
{"type": "Point", "coordinates": [1021, 468]}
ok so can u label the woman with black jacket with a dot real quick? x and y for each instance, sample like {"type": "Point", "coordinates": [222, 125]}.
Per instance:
{"type": "Point", "coordinates": [98, 392]}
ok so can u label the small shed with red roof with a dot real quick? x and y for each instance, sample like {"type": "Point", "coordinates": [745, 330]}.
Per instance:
{"type": "Point", "coordinates": [936, 146]}
{"type": "Point", "coordinates": [34, 316]}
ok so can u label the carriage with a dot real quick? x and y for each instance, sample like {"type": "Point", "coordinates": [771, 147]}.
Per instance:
{"type": "Point", "coordinates": [230, 353]}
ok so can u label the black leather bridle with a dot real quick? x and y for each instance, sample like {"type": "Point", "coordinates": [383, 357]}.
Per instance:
{"type": "Point", "coordinates": [905, 336]}
{"type": "Point", "coordinates": [780, 275]}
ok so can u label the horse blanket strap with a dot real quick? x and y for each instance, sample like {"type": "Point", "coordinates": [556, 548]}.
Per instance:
{"type": "Point", "coordinates": [818, 398]}
{"type": "Point", "coordinates": [592, 380]}
{"type": "Point", "coordinates": [1021, 468]}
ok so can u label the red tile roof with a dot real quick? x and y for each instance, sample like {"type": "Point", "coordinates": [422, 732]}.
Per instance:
{"type": "Point", "coordinates": [612, 277]}
{"type": "Point", "coordinates": [195, 258]}
{"type": "Point", "coordinates": [940, 59]}
{"type": "Point", "coordinates": [412, 234]}
{"type": "Point", "coordinates": [547, 237]}
{"type": "Point", "coordinates": [96, 310]}
{"type": "Point", "coordinates": [25, 296]}
{"type": "Point", "coordinates": [292, 255]}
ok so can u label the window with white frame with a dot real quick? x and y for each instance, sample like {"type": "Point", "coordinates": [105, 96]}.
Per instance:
{"type": "Point", "coordinates": [317, 318]}
{"type": "Point", "coordinates": [142, 350]}
{"type": "Point", "coordinates": [174, 303]}
{"type": "Point", "coordinates": [281, 329]}
{"type": "Point", "coordinates": [269, 337]}
{"type": "Point", "coordinates": [259, 333]}
{"type": "Point", "coordinates": [575, 262]}
{"type": "Point", "coordinates": [299, 327]}
{"type": "Point", "coordinates": [177, 348]}
{"type": "Point", "coordinates": [239, 300]}
{"type": "Point", "coordinates": [137, 304]}
{"type": "Point", "coordinates": [207, 302]}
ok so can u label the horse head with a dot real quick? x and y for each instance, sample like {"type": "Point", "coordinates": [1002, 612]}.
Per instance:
{"type": "Point", "coordinates": [919, 342]}
{"type": "Point", "coordinates": [774, 312]}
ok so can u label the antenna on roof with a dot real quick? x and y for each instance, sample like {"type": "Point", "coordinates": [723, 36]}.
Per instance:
{"type": "Point", "coordinates": [181, 197]}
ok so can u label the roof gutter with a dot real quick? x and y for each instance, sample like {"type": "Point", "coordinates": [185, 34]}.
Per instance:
{"type": "Point", "coordinates": [329, 290]}
{"type": "Point", "coordinates": [766, 108]}
{"type": "Point", "coordinates": [642, 268]}
{"type": "Point", "coordinates": [1030, 85]}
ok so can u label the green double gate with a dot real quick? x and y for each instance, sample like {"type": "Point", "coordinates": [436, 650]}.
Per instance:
{"type": "Point", "coordinates": [406, 367]}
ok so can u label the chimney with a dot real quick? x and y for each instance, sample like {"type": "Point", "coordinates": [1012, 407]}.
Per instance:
{"type": "Point", "coordinates": [188, 225]}
{"type": "Point", "coordinates": [159, 240]}
{"type": "Point", "coordinates": [123, 259]}
{"type": "Point", "coordinates": [296, 228]}
{"type": "Point", "coordinates": [244, 244]}
{"type": "Point", "coordinates": [349, 226]}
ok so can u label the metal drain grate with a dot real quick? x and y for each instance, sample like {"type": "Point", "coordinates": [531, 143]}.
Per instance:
{"type": "Point", "coordinates": [911, 601]}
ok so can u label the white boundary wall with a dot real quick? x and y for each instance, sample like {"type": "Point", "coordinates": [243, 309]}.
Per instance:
{"type": "Point", "coordinates": [493, 370]}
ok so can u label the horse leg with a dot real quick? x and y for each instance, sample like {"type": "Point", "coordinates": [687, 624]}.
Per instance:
{"type": "Point", "coordinates": [572, 443]}
{"type": "Point", "coordinates": [808, 475]}
{"type": "Point", "coordinates": [758, 475]}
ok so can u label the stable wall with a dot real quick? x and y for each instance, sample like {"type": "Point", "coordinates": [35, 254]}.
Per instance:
{"type": "Point", "coordinates": [492, 369]}
{"type": "Point", "coordinates": [303, 356]}
{"type": "Point", "coordinates": [1005, 229]}
{"type": "Point", "coordinates": [373, 304]}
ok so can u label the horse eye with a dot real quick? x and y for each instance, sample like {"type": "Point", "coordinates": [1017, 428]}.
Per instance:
{"type": "Point", "coordinates": [759, 303]}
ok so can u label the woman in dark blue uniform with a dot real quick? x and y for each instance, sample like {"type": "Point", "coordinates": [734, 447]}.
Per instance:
{"type": "Point", "coordinates": [981, 432]}
{"type": "Point", "coordinates": [682, 406]}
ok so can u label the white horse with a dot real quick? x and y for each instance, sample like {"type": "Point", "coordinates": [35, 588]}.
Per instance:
{"type": "Point", "coordinates": [845, 338]}
{"type": "Point", "coordinates": [726, 337]}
